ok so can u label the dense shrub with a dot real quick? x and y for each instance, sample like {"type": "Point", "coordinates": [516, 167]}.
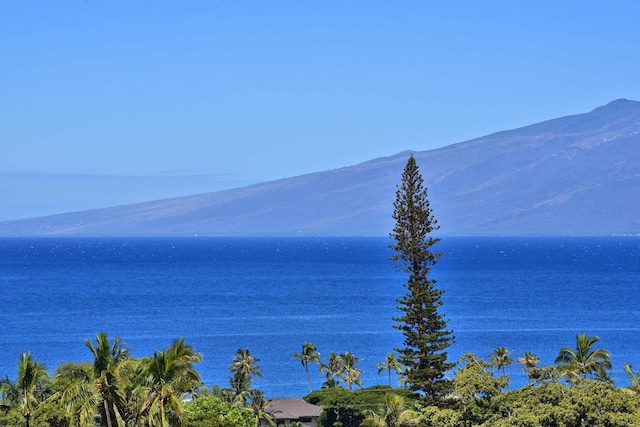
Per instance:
{"type": "Point", "coordinates": [347, 408]}
{"type": "Point", "coordinates": [210, 411]}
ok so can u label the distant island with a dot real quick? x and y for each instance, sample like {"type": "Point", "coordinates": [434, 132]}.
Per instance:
{"type": "Point", "coordinates": [574, 175]}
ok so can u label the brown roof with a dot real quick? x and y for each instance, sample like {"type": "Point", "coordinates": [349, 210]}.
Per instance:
{"type": "Point", "coordinates": [293, 408]}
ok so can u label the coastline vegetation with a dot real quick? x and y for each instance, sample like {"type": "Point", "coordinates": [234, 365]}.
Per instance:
{"type": "Point", "coordinates": [165, 389]}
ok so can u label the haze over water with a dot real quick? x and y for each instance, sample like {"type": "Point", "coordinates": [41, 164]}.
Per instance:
{"type": "Point", "coordinates": [270, 295]}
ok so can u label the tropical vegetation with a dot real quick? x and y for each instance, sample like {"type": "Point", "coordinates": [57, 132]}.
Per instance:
{"type": "Point", "coordinates": [390, 364]}
{"type": "Point", "coordinates": [115, 389]}
{"type": "Point", "coordinates": [28, 389]}
{"type": "Point", "coordinates": [309, 354]}
{"type": "Point", "coordinates": [583, 360]}
{"type": "Point", "coordinates": [165, 389]}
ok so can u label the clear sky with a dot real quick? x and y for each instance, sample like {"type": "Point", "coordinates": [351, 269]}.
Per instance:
{"type": "Point", "coordinates": [257, 90]}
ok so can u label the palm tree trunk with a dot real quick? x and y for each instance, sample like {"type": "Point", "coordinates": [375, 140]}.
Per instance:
{"type": "Point", "coordinates": [107, 413]}
{"type": "Point", "coordinates": [306, 368]}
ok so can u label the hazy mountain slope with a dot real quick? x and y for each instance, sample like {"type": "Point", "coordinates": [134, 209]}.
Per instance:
{"type": "Point", "coordinates": [573, 175]}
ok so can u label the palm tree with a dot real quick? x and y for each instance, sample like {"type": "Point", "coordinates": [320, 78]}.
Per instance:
{"type": "Point", "coordinates": [245, 362]}
{"type": "Point", "coordinates": [350, 374]}
{"type": "Point", "coordinates": [106, 359]}
{"type": "Point", "coordinates": [260, 407]}
{"type": "Point", "coordinates": [168, 377]}
{"type": "Point", "coordinates": [134, 388]}
{"type": "Point", "coordinates": [404, 377]}
{"type": "Point", "coordinates": [240, 385]}
{"type": "Point", "coordinates": [332, 369]}
{"type": "Point", "coordinates": [394, 413]}
{"type": "Point", "coordinates": [390, 364]}
{"type": "Point", "coordinates": [634, 377]}
{"type": "Point", "coordinates": [602, 374]}
{"type": "Point", "coordinates": [77, 393]}
{"type": "Point", "coordinates": [529, 361]}
{"type": "Point", "coordinates": [243, 368]}
{"type": "Point", "coordinates": [28, 389]}
{"type": "Point", "coordinates": [224, 394]}
{"type": "Point", "coordinates": [308, 355]}
{"type": "Point", "coordinates": [583, 360]}
{"type": "Point", "coordinates": [499, 358]}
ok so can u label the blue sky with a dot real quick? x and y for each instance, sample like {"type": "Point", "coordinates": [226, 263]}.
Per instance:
{"type": "Point", "coordinates": [248, 91]}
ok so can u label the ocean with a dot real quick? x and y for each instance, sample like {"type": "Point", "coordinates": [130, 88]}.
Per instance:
{"type": "Point", "coordinates": [272, 294]}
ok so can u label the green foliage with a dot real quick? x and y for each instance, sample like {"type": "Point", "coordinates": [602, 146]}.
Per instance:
{"type": "Point", "coordinates": [436, 417]}
{"type": "Point", "coordinates": [243, 368]}
{"type": "Point", "coordinates": [343, 367]}
{"type": "Point", "coordinates": [168, 377]}
{"type": "Point", "coordinates": [210, 411]}
{"type": "Point", "coordinates": [389, 364]}
{"type": "Point", "coordinates": [544, 375]}
{"type": "Point", "coordinates": [11, 417]}
{"type": "Point", "coordinates": [332, 369]}
{"type": "Point", "coordinates": [394, 412]}
{"type": "Point", "coordinates": [633, 377]}
{"type": "Point", "coordinates": [500, 357]}
{"type": "Point", "coordinates": [71, 392]}
{"type": "Point", "coordinates": [475, 386]}
{"type": "Point", "coordinates": [592, 403]}
{"type": "Point", "coordinates": [474, 380]}
{"type": "Point", "coordinates": [576, 363]}
{"type": "Point", "coordinates": [350, 374]}
{"type": "Point", "coordinates": [529, 362]}
{"type": "Point", "coordinates": [28, 391]}
{"type": "Point", "coordinates": [308, 355]}
{"type": "Point", "coordinates": [107, 357]}
{"type": "Point", "coordinates": [162, 382]}
{"type": "Point", "coordinates": [152, 391]}
{"type": "Point", "coordinates": [350, 408]}
{"type": "Point", "coordinates": [260, 407]}
{"type": "Point", "coordinates": [245, 363]}
{"type": "Point", "coordinates": [425, 329]}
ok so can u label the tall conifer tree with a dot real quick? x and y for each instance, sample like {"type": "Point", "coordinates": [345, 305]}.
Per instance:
{"type": "Point", "coordinates": [426, 336]}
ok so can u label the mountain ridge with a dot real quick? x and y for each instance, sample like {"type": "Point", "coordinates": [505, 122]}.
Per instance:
{"type": "Point", "coordinates": [578, 174]}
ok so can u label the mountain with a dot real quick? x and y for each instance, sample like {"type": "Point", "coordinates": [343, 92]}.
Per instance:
{"type": "Point", "coordinates": [575, 175]}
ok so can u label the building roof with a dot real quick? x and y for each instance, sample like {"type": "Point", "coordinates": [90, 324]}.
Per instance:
{"type": "Point", "coordinates": [293, 408]}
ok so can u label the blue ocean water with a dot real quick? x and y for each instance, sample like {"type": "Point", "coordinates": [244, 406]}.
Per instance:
{"type": "Point", "coordinates": [270, 295]}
